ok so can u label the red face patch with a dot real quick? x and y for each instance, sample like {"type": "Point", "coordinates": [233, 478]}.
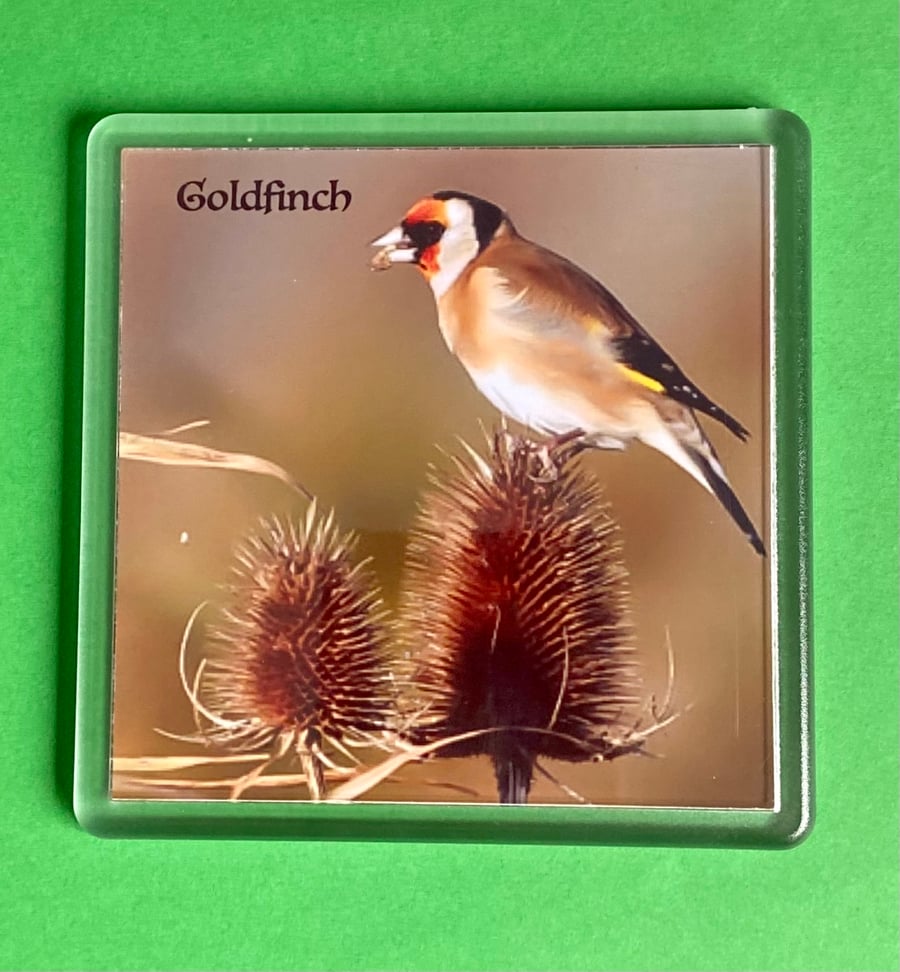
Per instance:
{"type": "Point", "coordinates": [427, 210]}
{"type": "Point", "coordinates": [428, 261]}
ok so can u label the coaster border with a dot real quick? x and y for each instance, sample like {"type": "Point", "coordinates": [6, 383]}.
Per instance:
{"type": "Point", "coordinates": [788, 513]}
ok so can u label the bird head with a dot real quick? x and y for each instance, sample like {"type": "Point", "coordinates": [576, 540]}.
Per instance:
{"type": "Point", "coordinates": [441, 234]}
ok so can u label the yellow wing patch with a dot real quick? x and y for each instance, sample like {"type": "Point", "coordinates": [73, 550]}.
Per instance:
{"type": "Point", "coordinates": [640, 379]}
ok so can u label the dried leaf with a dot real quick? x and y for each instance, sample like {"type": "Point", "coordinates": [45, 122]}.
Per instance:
{"type": "Point", "coordinates": [165, 452]}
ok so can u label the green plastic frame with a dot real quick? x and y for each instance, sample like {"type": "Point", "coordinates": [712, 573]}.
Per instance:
{"type": "Point", "coordinates": [791, 818]}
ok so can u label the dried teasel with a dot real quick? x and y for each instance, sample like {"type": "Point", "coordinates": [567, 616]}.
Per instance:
{"type": "Point", "coordinates": [300, 661]}
{"type": "Point", "coordinates": [514, 613]}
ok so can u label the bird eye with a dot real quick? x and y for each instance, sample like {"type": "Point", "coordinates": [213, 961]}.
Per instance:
{"type": "Point", "coordinates": [425, 234]}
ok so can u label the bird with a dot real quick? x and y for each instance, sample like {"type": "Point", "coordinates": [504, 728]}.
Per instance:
{"type": "Point", "coordinates": [550, 346]}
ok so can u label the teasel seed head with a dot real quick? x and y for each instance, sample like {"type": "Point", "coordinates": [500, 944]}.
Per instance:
{"type": "Point", "coordinates": [514, 612]}
{"type": "Point", "coordinates": [301, 657]}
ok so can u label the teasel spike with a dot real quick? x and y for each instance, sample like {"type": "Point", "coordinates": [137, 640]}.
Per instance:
{"type": "Point", "coordinates": [514, 612]}
{"type": "Point", "coordinates": [300, 659]}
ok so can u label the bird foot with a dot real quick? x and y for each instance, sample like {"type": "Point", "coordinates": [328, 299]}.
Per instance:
{"type": "Point", "coordinates": [549, 455]}
{"type": "Point", "coordinates": [546, 469]}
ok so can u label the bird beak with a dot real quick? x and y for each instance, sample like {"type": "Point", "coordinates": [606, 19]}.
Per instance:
{"type": "Point", "coordinates": [396, 247]}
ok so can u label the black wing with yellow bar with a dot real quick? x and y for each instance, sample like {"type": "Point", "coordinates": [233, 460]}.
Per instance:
{"type": "Point", "coordinates": [647, 364]}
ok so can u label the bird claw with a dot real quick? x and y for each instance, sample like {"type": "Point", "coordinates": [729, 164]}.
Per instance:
{"type": "Point", "coordinates": [547, 470]}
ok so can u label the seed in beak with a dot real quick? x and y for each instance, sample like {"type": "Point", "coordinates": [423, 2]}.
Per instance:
{"type": "Point", "coordinates": [382, 259]}
{"type": "Point", "coordinates": [396, 247]}
{"type": "Point", "coordinates": [393, 253]}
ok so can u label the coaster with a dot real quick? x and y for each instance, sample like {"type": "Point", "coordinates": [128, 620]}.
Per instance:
{"type": "Point", "coordinates": [446, 477]}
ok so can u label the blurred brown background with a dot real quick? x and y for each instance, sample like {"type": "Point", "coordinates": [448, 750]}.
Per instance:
{"type": "Point", "coordinates": [273, 328]}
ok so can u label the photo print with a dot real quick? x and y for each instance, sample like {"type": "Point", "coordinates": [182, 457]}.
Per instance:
{"type": "Point", "coordinates": [444, 476]}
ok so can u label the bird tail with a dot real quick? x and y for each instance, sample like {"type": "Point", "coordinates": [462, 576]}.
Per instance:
{"type": "Point", "coordinates": [716, 481]}
{"type": "Point", "coordinates": [686, 444]}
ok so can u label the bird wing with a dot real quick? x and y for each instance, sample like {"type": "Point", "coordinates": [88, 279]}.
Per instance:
{"type": "Point", "coordinates": [551, 294]}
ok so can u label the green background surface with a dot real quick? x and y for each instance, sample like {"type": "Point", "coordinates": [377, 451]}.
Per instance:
{"type": "Point", "coordinates": [68, 900]}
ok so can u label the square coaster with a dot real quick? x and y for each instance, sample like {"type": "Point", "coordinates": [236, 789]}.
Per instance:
{"type": "Point", "coordinates": [445, 476]}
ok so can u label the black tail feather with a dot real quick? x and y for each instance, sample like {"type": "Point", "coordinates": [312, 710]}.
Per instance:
{"type": "Point", "coordinates": [725, 495]}
{"type": "Point", "coordinates": [720, 415]}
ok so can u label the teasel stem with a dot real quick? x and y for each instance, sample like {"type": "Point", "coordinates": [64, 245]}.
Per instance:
{"type": "Point", "coordinates": [514, 613]}
{"type": "Point", "coordinates": [300, 662]}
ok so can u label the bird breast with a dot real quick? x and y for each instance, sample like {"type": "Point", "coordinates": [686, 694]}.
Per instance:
{"type": "Point", "coordinates": [545, 409]}
{"type": "Point", "coordinates": [550, 378]}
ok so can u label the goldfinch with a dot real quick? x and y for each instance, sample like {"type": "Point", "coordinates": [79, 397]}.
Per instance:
{"type": "Point", "coordinates": [549, 345]}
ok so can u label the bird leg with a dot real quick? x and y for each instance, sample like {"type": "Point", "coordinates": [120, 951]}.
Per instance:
{"type": "Point", "coordinates": [550, 454]}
